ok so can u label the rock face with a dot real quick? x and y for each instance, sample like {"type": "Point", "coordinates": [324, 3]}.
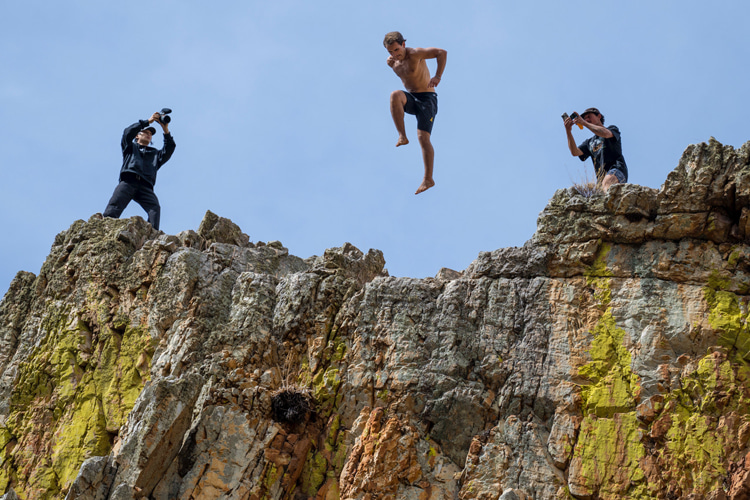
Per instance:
{"type": "Point", "coordinates": [605, 359]}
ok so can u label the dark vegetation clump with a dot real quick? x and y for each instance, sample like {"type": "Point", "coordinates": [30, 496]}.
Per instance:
{"type": "Point", "coordinates": [587, 186]}
{"type": "Point", "coordinates": [291, 405]}
{"type": "Point", "coordinates": [587, 189]}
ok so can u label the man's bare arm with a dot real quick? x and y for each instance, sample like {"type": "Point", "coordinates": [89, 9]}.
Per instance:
{"type": "Point", "coordinates": [574, 150]}
{"type": "Point", "coordinates": [434, 53]}
{"type": "Point", "coordinates": [596, 129]}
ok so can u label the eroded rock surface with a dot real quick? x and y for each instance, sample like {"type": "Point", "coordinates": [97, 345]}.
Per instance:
{"type": "Point", "coordinates": [606, 358]}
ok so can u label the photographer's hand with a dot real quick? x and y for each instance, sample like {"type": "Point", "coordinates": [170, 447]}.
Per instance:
{"type": "Point", "coordinates": [571, 141]}
{"type": "Point", "coordinates": [154, 118]}
{"type": "Point", "coordinates": [164, 127]}
{"type": "Point", "coordinates": [580, 122]}
{"type": "Point", "coordinates": [601, 131]}
{"type": "Point", "coordinates": [568, 124]}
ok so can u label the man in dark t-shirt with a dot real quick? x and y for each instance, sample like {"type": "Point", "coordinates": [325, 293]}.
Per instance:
{"type": "Point", "coordinates": [604, 148]}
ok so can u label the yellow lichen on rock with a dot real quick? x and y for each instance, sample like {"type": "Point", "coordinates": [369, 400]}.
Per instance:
{"type": "Point", "coordinates": [75, 391]}
{"type": "Point", "coordinates": [606, 457]}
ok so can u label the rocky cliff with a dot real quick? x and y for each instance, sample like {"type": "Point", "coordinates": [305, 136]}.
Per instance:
{"type": "Point", "coordinates": [607, 358]}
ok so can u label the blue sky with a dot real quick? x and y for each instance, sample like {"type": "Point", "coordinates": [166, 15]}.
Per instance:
{"type": "Point", "coordinates": [282, 124]}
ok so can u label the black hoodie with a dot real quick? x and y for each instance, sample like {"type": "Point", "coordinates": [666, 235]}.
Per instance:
{"type": "Point", "coordinates": [143, 160]}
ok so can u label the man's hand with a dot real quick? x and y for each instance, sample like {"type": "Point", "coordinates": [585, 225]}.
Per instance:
{"type": "Point", "coordinates": [568, 124]}
{"type": "Point", "coordinates": [390, 61]}
{"type": "Point", "coordinates": [434, 81]}
{"type": "Point", "coordinates": [156, 117]}
{"type": "Point", "coordinates": [571, 142]}
{"type": "Point", "coordinates": [599, 130]}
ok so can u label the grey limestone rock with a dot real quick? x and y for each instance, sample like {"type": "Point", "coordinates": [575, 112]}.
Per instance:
{"type": "Point", "coordinates": [588, 363]}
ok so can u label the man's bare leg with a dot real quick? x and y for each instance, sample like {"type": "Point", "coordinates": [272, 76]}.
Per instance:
{"type": "Point", "coordinates": [608, 180]}
{"type": "Point", "coordinates": [398, 101]}
{"type": "Point", "coordinates": [428, 155]}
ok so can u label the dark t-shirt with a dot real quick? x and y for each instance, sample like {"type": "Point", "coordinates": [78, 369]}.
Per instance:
{"type": "Point", "coordinates": [605, 153]}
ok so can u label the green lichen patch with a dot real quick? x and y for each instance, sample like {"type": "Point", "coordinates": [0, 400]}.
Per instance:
{"type": "Point", "coordinates": [335, 446]}
{"type": "Point", "coordinates": [313, 473]}
{"type": "Point", "coordinates": [610, 451]}
{"type": "Point", "coordinates": [271, 476]}
{"type": "Point", "coordinates": [324, 466]}
{"type": "Point", "coordinates": [70, 398]}
{"type": "Point", "coordinates": [599, 276]}
{"type": "Point", "coordinates": [42, 484]}
{"type": "Point", "coordinates": [5, 439]}
{"type": "Point", "coordinates": [564, 494]}
{"type": "Point", "coordinates": [728, 315]}
{"type": "Point", "coordinates": [123, 371]}
{"type": "Point", "coordinates": [304, 375]}
{"type": "Point", "coordinates": [614, 387]}
{"type": "Point", "coordinates": [599, 268]}
{"type": "Point", "coordinates": [734, 257]}
{"type": "Point", "coordinates": [339, 351]}
{"type": "Point", "coordinates": [80, 434]}
{"type": "Point", "coordinates": [335, 349]}
{"type": "Point", "coordinates": [609, 446]}
{"type": "Point", "coordinates": [325, 382]}
{"type": "Point", "coordinates": [692, 439]}
{"type": "Point", "coordinates": [325, 387]}
{"type": "Point", "coordinates": [706, 419]}
{"type": "Point", "coordinates": [718, 282]}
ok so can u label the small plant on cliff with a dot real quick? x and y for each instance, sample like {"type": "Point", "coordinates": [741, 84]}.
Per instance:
{"type": "Point", "coordinates": [291, 403]}
{"type": "Point", "coordinates": [586, 186]}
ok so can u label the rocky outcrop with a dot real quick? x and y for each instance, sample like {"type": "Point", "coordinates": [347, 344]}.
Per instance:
{"type": "Point", "coordinates": [606, 358]}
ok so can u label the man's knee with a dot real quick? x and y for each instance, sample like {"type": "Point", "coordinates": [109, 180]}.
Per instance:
{"type": "Point", "coordinates": [609, 180]}
{"type": "Point", "coordinates": [151, 206]}
{"type": "Point", "coordinates": [398, 97]}
{"type": "Point", "coordinates": [424, 137]}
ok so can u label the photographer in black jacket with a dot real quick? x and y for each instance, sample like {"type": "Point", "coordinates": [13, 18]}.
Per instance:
{"type": "Point", "coordinates": [140, 162]}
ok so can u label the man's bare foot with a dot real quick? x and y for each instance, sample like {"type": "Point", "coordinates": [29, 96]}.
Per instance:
{"type": "Point", "coordinates": [402, 141]}
{"type": "Point", "coordinates": [426, 184]}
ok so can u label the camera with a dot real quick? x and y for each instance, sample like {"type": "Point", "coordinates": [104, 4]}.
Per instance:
{"type": "Point", "coordinates": [572, 117]}
{"type": "Point", "coordinates": [165, 118]}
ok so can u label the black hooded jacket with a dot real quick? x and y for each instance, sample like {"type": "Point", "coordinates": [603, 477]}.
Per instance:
{"type": "Point", "coordinates": [143, 160]}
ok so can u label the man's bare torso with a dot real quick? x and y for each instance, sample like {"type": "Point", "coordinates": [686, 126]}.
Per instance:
{"type": "Point", "coordinates": [413, 72]}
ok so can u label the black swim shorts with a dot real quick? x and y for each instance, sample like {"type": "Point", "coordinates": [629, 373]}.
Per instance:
{"type": "Point", "coordinates": [424, 106]}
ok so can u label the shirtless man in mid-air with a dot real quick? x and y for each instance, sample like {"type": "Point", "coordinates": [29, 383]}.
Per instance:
{"type": "Point", "coordinates": [419, 98]}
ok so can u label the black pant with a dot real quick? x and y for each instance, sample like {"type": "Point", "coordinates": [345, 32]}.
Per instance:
{"type": "Point", "coordinates": [138, 190]}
